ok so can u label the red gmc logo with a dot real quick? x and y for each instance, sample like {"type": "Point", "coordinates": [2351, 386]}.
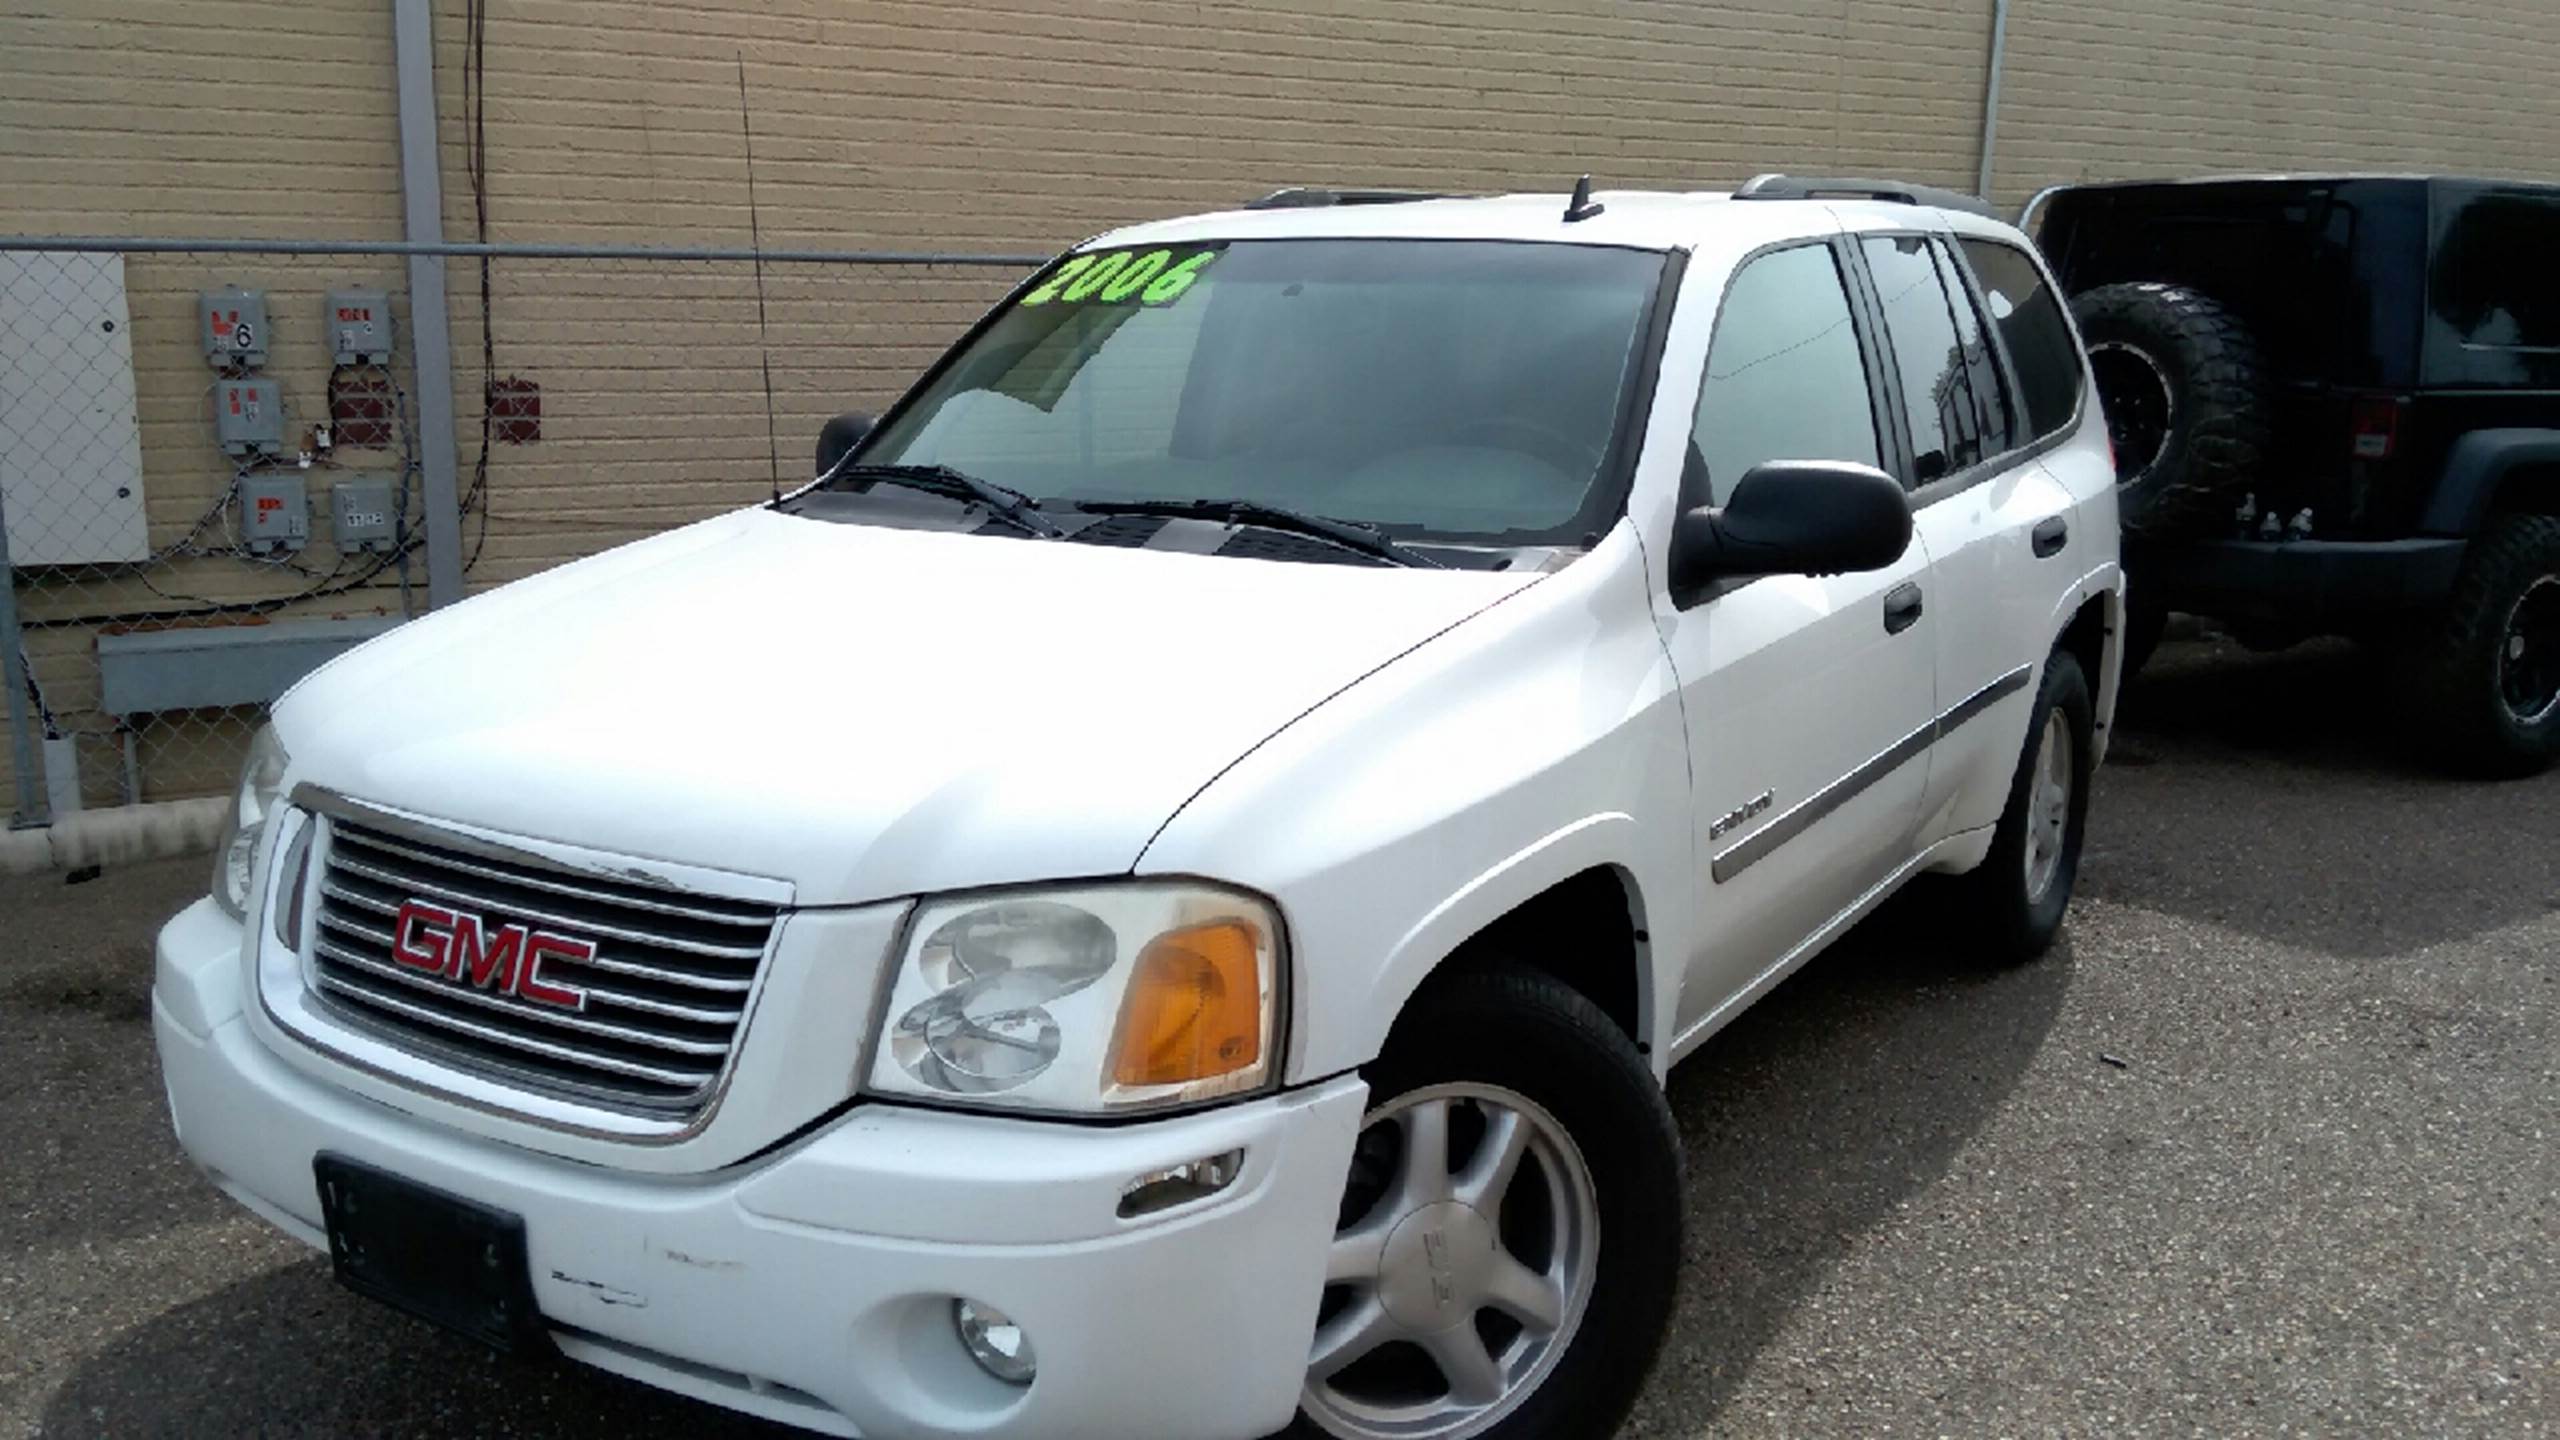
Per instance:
{"type": "Point", "coordinates": [461, 947]}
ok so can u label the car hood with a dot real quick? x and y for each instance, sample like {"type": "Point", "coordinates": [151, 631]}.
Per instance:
{"type": "Point", "coordinates": [866, 712]}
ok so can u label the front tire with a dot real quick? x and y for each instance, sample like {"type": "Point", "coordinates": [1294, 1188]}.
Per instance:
{"type": "Point", "coordinates": [1509, 1243]}
{"type": "Point", "coordinates": [2014, 901]}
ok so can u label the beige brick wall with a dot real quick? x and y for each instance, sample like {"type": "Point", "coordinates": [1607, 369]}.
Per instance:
{"type": "Point", "coordinates": [913, 125]}
{"type": "Point", "coordinates": [915, 122]}
{"type": "Point", "coordinates": [1024, 125]}
{"type": "Point", "coordinates": [184, 117]}
{"type": "Point", "coordinates": [2175, 87]}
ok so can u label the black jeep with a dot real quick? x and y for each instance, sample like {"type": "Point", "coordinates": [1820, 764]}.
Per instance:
{"type": "Point", "coordinates": [2335, 402]}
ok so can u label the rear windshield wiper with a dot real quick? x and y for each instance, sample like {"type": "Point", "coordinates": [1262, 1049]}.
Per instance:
{"type": "Point", "coordinates": [1023, 511]}
{"type": "Point", "coordinates": [1350, 535]}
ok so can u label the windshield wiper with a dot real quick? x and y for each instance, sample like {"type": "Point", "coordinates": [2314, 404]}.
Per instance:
{"type": "Point", "coordinates": [1023, 511]}
{"type": "Point", "coordinates": [1350, 535]}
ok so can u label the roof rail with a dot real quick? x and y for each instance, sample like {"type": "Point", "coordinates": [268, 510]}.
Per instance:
{"type": "Point", "coordinates": [1298, 197]}
{"type": "Point", "coordinates": [1807, 187]}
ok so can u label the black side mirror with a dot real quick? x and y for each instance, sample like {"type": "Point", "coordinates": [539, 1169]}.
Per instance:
{"type": "Point", "coordinates": [837, 438]}
{"type": "Point", "coordinates": [1793, 517]}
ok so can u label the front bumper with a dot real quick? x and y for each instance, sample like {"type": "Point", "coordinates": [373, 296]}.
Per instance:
{"type": "Point", "coordinates": [813, 1285]}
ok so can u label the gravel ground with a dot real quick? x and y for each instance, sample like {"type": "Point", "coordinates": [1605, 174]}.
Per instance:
{"type": "Point", "coordinates": [2264, 1149]}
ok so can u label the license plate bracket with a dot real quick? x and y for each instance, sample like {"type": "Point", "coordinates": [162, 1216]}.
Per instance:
{"type": "Point", "coordinates": [448, 1260]}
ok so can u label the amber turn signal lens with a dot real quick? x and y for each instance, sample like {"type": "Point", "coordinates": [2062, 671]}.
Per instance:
{"type": "Point", "coordinates": [1194, 1009]}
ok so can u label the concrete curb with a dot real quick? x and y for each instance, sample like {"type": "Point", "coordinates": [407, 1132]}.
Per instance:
{"type": "Point", "coordinates": [114, 837]}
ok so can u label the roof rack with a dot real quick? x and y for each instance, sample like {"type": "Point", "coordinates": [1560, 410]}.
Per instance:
{"type": "Point", "coordinates": [1302, 197]}
{"type": "Point", "coordinates": [1807, 187]}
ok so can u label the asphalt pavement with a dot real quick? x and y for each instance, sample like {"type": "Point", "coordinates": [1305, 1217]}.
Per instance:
{"type": "Point", "coordinates": [2266, 1147]}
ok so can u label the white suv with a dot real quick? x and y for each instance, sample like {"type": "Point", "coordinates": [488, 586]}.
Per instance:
{"type": "Point", "coordinates": [1156, 897]}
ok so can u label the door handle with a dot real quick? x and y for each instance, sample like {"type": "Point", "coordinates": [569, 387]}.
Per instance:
{"type": "Point", "coordinates": [1901, 608]}
{"type": "Point", "coordinates": [2049, 536]}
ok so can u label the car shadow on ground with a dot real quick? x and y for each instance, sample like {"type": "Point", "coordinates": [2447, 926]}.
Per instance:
{"type": "Point", "coordinates": [2317, 706]}
{"type": "Point", "coordinates": [1817, 1115]}
{"type": "Point", "coordinates": [289, 1352]}
{"type": "Point", "coordinates": [2281, 796]}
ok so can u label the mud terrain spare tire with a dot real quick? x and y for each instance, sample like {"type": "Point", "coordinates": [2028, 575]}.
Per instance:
{"type": "Point", "coordinates": [2186, 404]}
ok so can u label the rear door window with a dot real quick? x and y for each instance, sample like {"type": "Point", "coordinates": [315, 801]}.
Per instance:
{"type": "Point", "coordinates": [1991, 408]}
{"type": "Point", "coordinates": [2028, 316]}
{"type": "Point", "coordinates": [1929, 359]}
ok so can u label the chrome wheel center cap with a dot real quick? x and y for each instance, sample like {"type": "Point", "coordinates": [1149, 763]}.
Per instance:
{"type": "Point", "coordinates": [1438, 1263]}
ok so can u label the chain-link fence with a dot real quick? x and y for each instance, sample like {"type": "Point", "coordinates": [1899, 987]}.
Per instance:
{"type": "Point", "coordinates": [213, 471]}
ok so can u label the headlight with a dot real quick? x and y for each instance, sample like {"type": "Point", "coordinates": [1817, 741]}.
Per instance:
{"type": "Point", "coordinates": [253, 805]}
{"type": "Point", "coordinates": [1085, 1000]}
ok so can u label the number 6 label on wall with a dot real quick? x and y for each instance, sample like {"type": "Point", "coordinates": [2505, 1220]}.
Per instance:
{"type": "Point", "coordinates": [1116, 277]}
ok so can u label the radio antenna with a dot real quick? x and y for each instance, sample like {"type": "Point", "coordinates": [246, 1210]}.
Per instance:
{"type": "Point", "coordinates": [755, 239]}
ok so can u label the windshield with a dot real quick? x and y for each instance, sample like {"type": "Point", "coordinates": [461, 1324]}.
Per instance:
{"type": "Point", "coordinates": [1468, 391]}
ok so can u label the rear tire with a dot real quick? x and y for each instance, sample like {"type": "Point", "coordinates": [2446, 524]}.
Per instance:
{"type": "Point", "coordinates": [2483, 687]}
{"type": "Point", "coordinates": [2013, 903]}
{"type": "Point", "coordinates": [2186, 404]}
{"type": "Point", "coordinates": [1590, 1207]}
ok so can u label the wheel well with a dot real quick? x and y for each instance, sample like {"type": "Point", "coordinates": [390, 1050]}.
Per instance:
{"type": "Point", "coordinates": [2085, 639]}
{"type": "Point", "coordinates": [1586, 932]}
{"type": "Point", "coordinates": [2528, 490]}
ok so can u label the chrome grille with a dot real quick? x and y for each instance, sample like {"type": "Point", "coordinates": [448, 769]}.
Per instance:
{"type": "Point", "coordinates": [666, 989]}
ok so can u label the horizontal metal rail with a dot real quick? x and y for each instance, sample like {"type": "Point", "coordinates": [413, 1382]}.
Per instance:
{"type": "Point", "coordinates": [348, 925]}
{"type": "Point", "coordinates": [580, 1023]}
{"type": "Point", "coordinates": [443, 889]}
{"type": "Point", "coordinates": [731, 984]}
{"type": "Point", "coordinates": [694, 1082]}
{"type": "Point", "coordinates": [748, 915]}
{"type": "Point", "coordinates": [507, 250]}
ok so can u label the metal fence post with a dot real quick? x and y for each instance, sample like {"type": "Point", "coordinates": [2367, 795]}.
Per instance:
{"type": "Point", "coordinates": [430, 326]}
{"type": "Point", "coordinates": [23, 763]}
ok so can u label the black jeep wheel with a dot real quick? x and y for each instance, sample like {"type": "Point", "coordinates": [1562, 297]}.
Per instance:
{"type": "Point", "coordinates": [2484, 687]}
{"type": "Point", "coordinates": [2186, 407]}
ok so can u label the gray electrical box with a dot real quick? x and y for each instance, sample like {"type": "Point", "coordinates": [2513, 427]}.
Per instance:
{"type": "Point", "coordinates": [359, 326]}
{"type": "Point", "coordinates": [231, 324]}
{"type": "Point", "coordinates": [275, 513]}
{"type": "Point", "coordinates": [248, 415]}
{"type": "Point", "coordinates": [364, 513]}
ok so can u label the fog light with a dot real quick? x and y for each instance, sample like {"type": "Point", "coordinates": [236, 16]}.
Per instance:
{"type": "Point", "coordinates": [1164, 1189]}
{"type": "Point", "coordinates": [994, 1341]}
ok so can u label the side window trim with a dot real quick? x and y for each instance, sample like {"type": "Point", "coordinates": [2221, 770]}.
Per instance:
{"type": "Point", "coordinates": [1866, 314]}
{"type": "Point", "coordinates": [1953, 481]}
{"type": "Point", "coordinates": [1960, 293]}
{"type": "Point", "coordinates": [1853, 281]}
{"type": "Point", "coordinates": [1884, 406]}
{"type": "Point", "coordinates": [1956, 483]}
{"type": "Point", "coordinates": [2002, 360]}
{"type": "Point", "coordinates": [2000, 342]}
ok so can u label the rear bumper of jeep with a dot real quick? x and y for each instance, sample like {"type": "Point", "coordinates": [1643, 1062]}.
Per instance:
{"type": "Point", "coordinates": [2308, 587]}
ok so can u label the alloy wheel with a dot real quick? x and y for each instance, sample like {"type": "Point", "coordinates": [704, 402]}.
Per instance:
{"type": "Point", "coordinates": [2048, 805]}
{"type": "Point", "coordinates": [2529, 653]}
{"type": "Point", "coordinates": [1464, 1262]}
